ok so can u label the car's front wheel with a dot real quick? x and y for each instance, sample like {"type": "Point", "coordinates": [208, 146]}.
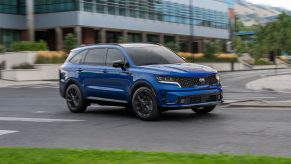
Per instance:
{"type": "Point", "coordinates": [144, 104]}
{"type": "Point", "coordinates": [75, 100]}
{"type": "Point", "coordinates": [204, 109]}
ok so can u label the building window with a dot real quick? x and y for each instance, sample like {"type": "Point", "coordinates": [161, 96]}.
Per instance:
{"type": "Point", "coordinates": [7, 37]}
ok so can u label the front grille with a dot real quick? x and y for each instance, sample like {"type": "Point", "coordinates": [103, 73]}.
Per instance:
{"type": "Point", "coordinates": [201, 99]}
{"type": "Point", "coordinates": [189, 82]}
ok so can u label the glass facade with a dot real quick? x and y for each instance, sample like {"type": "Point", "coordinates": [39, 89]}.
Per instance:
{"type": "Point", "coordinates": [160, 10]}
{"type": "Point", "coordinates": [12, 7]}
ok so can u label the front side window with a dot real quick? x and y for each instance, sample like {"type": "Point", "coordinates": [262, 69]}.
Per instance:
{"type": "Point", "coordinates": [96, 56]}
{"type": "Point", "coordinates": [113, 55]}
{"type": "Point", "coordinates": [152, 55]}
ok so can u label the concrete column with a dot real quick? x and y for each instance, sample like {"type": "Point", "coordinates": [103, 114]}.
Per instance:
{"type": "Point", "coordinates": [81, 4]}
{"type": "Point", "coordinates": [144, 37]}
{"type": "Point", "coordinates": [94, 9]}
{"type": "Point", "coordinates": [78, 32]}
{"type": "Point", "coordinates": [162, 38]}
{"type": "Point", "coordinates": [125, 34]}
{"type": "Point", "coordinates": [177, 39]}
{"type": "Point", "coordinates": [200, 46]}
{"type": "Point", "coordinates": [102, 35]}
{"type": "Point", "coordinates": [59, 38]}
{"type": "Point", "coordinates": [30, 19]}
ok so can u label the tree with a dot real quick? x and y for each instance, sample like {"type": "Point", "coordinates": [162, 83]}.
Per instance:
{"type": "Point", "coordinates": [70, 42]}
{"type": "Point", "coordinates": [275, 36]}
{"type": "Point", "coordinates": [213, 48]}
{"type": "Point", "coordinates": [173, 46]}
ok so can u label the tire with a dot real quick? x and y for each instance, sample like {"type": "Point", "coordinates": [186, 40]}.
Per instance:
{"type": "Point", "coordinates": [144, 104]}
{"type": "Point", "coordinates": [75, 99]}
{"type": "Point", "coordinates": [203, 110]}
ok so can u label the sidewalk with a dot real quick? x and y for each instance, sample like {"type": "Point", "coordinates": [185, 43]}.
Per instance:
{"type": "Point", "coordinates": [281, 83]}
{"type": "Point", "coordinates": [7, 83]}
{"type": "Point", "coordinates": [278, 83]}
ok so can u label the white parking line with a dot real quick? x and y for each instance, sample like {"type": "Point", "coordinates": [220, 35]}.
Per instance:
{"type": "Point", "coordinates": [2, 132]}
{"type": "Point", "coordinates": [37, 119]}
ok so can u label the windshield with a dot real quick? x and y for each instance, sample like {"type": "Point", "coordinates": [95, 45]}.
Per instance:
{"type": "Point", "coordinates": [152, 55]}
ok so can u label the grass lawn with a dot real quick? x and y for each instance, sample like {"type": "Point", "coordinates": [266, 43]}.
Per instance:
{"type": "Point", "coordinates": [72, 156]}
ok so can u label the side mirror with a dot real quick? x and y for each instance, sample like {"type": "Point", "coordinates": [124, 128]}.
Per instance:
{"type": "Point", "coordinates": [118, 64]}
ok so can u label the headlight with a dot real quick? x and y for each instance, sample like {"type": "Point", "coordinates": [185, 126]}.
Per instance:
{"type": "Point", "coordinates": [217, 78]}
{"type": "Point", "coordinates": [169, 80]}
{"type": "Point", "coordinates": [166, 78]}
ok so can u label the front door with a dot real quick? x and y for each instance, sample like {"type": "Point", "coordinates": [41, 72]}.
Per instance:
{"type": "Point", "coordinates": [117, 80]}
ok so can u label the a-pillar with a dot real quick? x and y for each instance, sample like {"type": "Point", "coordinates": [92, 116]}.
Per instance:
{"type": "Point", "coordinates": [102, 35]}
{"type": "Point", "coordinates": [162, 38]}
{"type": "Point", "coordinates": [78, 32]}
{"type": "Point", "coordinates": [144, 37]}
{"type": "Point", "coordinates": [59, 38]}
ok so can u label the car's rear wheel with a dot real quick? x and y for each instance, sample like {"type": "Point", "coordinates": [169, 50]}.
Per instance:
{"type": "Point", "coordinates": [204, 109]}
{"type": "Point", "coordinates": [144, 104]}
{"type": "Point", "coordinates": [75, 100]}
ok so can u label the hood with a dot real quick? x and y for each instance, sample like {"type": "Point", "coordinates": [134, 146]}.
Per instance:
{"type": "Point", "coordinates": [181, 69]}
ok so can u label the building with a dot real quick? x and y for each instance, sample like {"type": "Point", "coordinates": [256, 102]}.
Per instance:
{"type": "Point", "coordinates": [106, 21]}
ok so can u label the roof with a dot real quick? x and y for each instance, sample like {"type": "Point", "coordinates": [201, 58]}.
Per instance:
{"type": "Point", "coordinates": [115, 44]}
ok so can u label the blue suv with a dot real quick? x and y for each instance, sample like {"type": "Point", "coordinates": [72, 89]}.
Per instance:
{"type": "Point", "coordinates": [147, 78]}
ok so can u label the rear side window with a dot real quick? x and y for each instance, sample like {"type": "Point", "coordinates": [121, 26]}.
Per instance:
{"type": "Point", "coordinates": [78, 58]}
{"type": "Point", "coordinates": [96, 56]}
{"type": "Point", "coordinates": [113, 55]}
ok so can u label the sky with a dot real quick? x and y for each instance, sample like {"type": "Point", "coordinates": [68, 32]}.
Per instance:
{"type": "Point", "coordinates": [276, 3]}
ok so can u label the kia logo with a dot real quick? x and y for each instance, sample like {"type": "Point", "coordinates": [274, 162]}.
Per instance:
{"type": "Point", "coordinates": [202, 80]}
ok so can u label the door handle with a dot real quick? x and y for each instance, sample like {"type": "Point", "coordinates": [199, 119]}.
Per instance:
{"type": "Point", "coordinates": [105, 71]}
{"type": "Point", "coordinates": [79, 70]}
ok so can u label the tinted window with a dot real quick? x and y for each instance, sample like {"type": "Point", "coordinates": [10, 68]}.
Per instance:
{"type": "Point", "coordinates": [78, 57]}
{"type": "Point", "coordinates": [113, 55]}
{"type": "Point", "coordinates": [152, 55]}
{"type": "Point", "coordinates": [96, 56]}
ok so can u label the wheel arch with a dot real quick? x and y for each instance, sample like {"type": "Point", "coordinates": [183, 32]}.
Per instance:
{"type": "Point", "coordinates": [70, 82]}
{"type": "Point", "coordinates": [138, 85]}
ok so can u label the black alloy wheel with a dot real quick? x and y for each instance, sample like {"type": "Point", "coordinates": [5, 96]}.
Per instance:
{"type": "Point", "coordinates": [144, 104]}
{"type": "Point", "coordinates": [75, 100]}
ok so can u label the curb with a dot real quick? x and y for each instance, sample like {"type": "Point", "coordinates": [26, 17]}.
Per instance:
{"type": "Point", "coordinates": [260, 106]}
{"type": "Point", "coordinates": [255, 70]}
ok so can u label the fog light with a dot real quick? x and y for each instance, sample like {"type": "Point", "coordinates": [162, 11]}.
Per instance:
{"type": "Point", "coordinates": [182, 101]}
{"type": "Point", "coordinates": [219, 97]}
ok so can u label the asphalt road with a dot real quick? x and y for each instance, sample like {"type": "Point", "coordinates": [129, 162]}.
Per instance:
{"type": "Point", "coordinates": [38, 117]}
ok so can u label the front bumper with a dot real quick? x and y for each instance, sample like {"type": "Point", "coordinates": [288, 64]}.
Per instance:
{"type": "Point", "coordinates": [188, 99]}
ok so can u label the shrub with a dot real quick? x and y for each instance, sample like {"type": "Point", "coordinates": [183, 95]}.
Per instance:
{"type": "Point", "coordinates": [188, 54]}
{"type": "Point", "coordinates": [262, 62]}
{"type": "Point", "coordinates": [51, 57]}
{"type": "Point", "coordinates": [70, 42]}
{"type": "Point", "coordinates": [29, 46]}
{"type": "Point", "coordinates": [2, 48]}
{"type": "Point", "coordinates": [210, 60]}
{"type": "Point", "coordinates": [122, 40]}
{"type": "Point", "coordinates": [23, 66]}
